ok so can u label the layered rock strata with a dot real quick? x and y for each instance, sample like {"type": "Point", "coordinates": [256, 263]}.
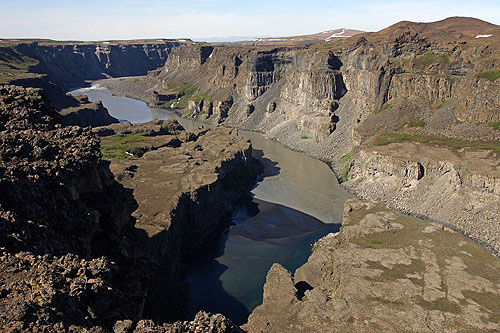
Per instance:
{"type": "Point", "coordinates": [384, 272]}
{"type": "Point", "coordinates": [70, 64]}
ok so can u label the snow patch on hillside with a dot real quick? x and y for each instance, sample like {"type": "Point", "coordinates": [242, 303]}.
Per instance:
{"type": "Point", "coordinates": [336, 35]}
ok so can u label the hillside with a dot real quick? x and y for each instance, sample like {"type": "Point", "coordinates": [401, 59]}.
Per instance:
{"type": "Point", "coordinates": [325, 36]}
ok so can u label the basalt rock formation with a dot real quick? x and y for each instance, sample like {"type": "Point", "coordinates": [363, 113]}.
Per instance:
{"type": "Point", "coordinates": [72, 255]}
{"type": "Point", "coordinates": [384, 272]}
{"type": "Point", "coordinates": [87, 114]}
{"type": "Point", "coordinates": [70, 64]}
{"type": "Point", "coordinates": [408, 115]}
{"type": "Point", "coordinates": [62, 217]}
{"type": "Point", "coordinates": [186, 185]}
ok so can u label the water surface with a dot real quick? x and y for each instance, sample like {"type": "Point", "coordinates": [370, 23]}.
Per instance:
{"type": "Point", "coordinates": [122, 108]}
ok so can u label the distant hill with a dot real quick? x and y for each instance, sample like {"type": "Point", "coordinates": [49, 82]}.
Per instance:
{"type": "Point", "coordinates": [449, 29]}
{"type": "Point", "coordinates": [325, 36]}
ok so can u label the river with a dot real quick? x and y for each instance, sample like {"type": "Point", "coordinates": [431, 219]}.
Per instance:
{"type": "Point", "coordinates": [297, 201]}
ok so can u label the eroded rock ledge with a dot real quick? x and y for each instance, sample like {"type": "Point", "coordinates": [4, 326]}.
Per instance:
{"type": "Point", "coordinates": [384, 272]}
{"type": "Point", "coordinates": [186, 185]}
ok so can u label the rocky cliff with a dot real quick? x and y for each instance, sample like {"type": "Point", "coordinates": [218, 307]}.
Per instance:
{"type": "Point", "coordinates": [186, 185]}
{"type": "Point", "coordinates": [87, 114]}
{"type": "Point", "coordinates": [384, 272]}
{"type": "Point", "coordinates": [63, 220]}
{"type": "Point", "coordinates": [73, 256]}
{"type": "Point", "coordinates": [71, 64]}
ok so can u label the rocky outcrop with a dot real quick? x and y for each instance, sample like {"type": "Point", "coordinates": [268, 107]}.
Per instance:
{"type": "Point", "coordinates": [61, 212]}
{"type": "Point", "coordinates": [73, 255]}
{"type": "Point", "coordinates": [460, 188]}
{"type": "Point", "coordinates": [87, 114]}
{"type": "Point", "coordinates": [184, 194]}
{"type": "Point", "coordinates": [383, 272]}
{"type": "Point", "coordinates": [151, 128]}
{"type": "Point", "coordinates": [203, 322]}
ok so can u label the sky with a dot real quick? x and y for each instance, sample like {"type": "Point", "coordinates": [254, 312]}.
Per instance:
{"type": "Point", "coordinates": [199, 19]}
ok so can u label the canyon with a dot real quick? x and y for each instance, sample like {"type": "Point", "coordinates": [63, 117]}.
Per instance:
{"type": "Point", "coordinates": [407, 116]}
{"type": "Point", "coordinates": [397, 113]}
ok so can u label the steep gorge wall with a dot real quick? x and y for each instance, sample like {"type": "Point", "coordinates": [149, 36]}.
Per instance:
{"type": "Point", "coordinates": [259, 89]}
{"type": "Point", "coordinates": [291, 94]}
{"type": "Point", "coordinates": [70, 65]}
{"type": "Point", "coordinates": [461, 189]}
{"type": "Point", "coordinates": [186, 191]}
{"type": "Point", "coordinates": [326, 101]}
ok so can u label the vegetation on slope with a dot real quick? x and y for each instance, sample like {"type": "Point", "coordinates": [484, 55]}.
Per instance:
{"type": "Point", "coordinates": [117, 146]}
{"type": "Point", "coordinates": [13, 64]}
{"type": "Point", "coordinates": [393, 137]}
{"type": "Point", "coordinates": [491, 75]}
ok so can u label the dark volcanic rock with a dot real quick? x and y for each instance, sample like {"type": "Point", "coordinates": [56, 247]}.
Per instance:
{"type": "Point", "coordinates": [151, 128]}
{"type": "Point", "coordinates": [72, 255]}
{"type": "Point", "coordinates": [47, 292]}
{"type": "Point", "coordinates": [58, 216]}
{"type": "Point", "coordinates": [88, 114]}
{"type": "Point", "coordinates": [53, 179]}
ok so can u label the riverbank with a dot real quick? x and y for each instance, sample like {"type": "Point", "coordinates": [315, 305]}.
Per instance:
{"type": "Point", "coordinates": [389, 272]}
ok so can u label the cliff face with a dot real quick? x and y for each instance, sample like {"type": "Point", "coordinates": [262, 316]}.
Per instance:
{"type": "Point", "coordinates": [73, 255]}
{"type": "Point", "coordinates": [87, 114]}
{"type": "Point", "coordinates": [71, 64]}
{"type": "Point", "coordinates": [383, 272]}
{"type": "Point", "coordinates": [460, 188]}
{"type": "Point", "coordinates": [186, 191]}
{"type": "Point", "coordinates": [257, 89]}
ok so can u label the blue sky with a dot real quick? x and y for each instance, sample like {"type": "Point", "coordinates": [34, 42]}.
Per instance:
{"type": "Point", "coordinates": [127, 19]}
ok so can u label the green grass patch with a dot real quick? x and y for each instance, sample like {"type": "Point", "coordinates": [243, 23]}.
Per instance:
{"type": "Point", "coordinates": [491, 75]}
{"type": "Point", "coordinates": [417, 123]}
{"type": "Point", "coordinates": [346, 160]}
{"type": "Point", "coordinates": [346, 157]}
{"type": "Point", "coordinates": [186, 90]}
{"type": "Point", "coordinates": [496, 126]}
{"type": "Point", "coordinates": [389, 138]}
{"type": "Point", "coordinates": [429, 58]}
{"type": "Point", "coordinates": [376, 242]}
{"type": "Point", "coordinates": [115, 146]}
{"type": "Point", "coordinates": [200, 97]}
{"type": "Point", "coordinates": [304, 137]}
{"type": "Point", "coordinates": [384, 107]}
